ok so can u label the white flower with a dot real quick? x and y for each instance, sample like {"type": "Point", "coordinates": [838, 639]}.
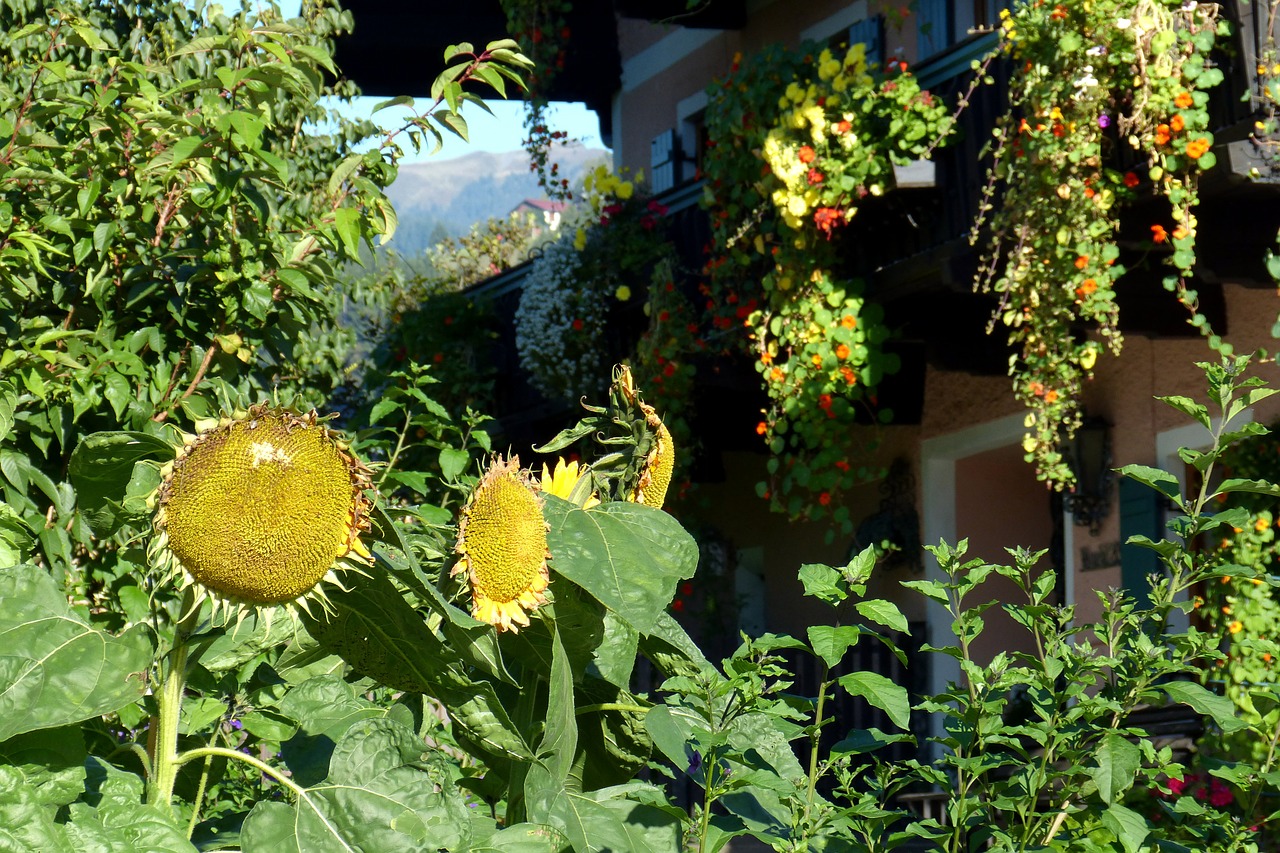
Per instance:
{"type": "Point", "coordinates": [1097, 50]}
{"type": "Point", "coordinates": [1123, 23]}
{"type": "Point", "coordinates": [1087, 81]}
{"type": "Point", "coordinates": [558, 324]}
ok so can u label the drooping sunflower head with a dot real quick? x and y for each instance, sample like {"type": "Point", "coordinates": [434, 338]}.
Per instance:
{"type": "Point", "coordinates": [659, 462]}
{"type": "Point", "coordinates": [658, 465]}
{"type": "Point", "coordinates": [502, 540]}
{"type": "Point", "coordinates": [257, 509]}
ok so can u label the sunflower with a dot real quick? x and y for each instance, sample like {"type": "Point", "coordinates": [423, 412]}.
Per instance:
{"type": "Point", "coordinates": [655, 477]}
{"type": "Point", "coordinates": [569, 480]}
{"type": "Point", "coordinates": [655, 473]}
{"type": "Point", "coordinates": [257, 509]}
{"type": "Point", "coordinates": [502, 538]}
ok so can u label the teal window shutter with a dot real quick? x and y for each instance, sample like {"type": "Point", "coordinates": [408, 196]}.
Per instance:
{"type": "Point", "coordinates": [1140, 515]}
{"type": "Point", "coordinates": [933, 27]}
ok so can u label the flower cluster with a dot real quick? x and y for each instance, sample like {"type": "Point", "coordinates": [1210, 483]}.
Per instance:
{"type": "Point", "coordinates": [581, 285]}
{"type": "Point", "coordinates": [558, 323]}
{"type": "Point", "coordinates": [797, 139]}
{"type": "Point", "coordinates": [840, 134]}
{"type": "Point", "coordinates": [1086, 77]}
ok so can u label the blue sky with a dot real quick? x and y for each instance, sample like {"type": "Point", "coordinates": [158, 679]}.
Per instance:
{"type": "Point", "coordinates": [503, 131]}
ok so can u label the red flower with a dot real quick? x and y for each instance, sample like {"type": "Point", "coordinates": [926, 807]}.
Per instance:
{"type": "Point", "coordinates": [843, 127]}
{"type": "Point", "coordinates": [664, 316]}
{"type": "Point", "coordinates": [1130, 180]}
{"type": "Point", "coordinates": [577, 325]}
{"type": "Point", "coordinates": [815, 177]}
{"type": "Point", "coordinates": [1158, 234]}
{"type": "Point", "coordinates": [677, 605]}
{"type": "Point", "coordinates": [762, 428]}
{"type": "Point", "coordinates": [827, 218]}
{"type": "Point", "coordinates": [670, 369]}
{"type": "Point", "coordinates": [824, 498]}
{"type": "Point", "coordinates": [686, 588]}
{"type": "Point", "coordinates": [824, 401]}
{"type": "Point", "coordinates": [807, 154]}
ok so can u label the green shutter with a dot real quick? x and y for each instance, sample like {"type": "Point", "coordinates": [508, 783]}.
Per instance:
{"type": "Point", "coordinates": [1140, 515]}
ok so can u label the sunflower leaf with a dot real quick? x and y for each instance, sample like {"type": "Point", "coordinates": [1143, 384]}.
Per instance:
{"type": "Point", "coordinates": [383, 792]}
{"type": "Point", "coordinates": [628, 556]}
{"type": "Point", "coordinates": [55, 668]}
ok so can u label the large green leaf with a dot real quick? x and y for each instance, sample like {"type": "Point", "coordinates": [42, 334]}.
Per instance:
{"type": "Point", "coordinates": [55, 668]}
{"type": "Point", "coordinates": [522, 838]}
{"type": "Point", "coordinates": [101, 469]}
{"type": "Point", "coordinates": [324, 709]}
{"type": "Point", "coordinates": [628, 556]}
{"type": "Point", "coordinates": [385, 791]}
{"type": "Point", "coordinates": [1118, 762]}
{"type": "Point", "coordinates": [44, 767]}
{"type": "Point", "coordinates": [16, 541]}
{"type": "Point", "coordinates": [884, 694]}
{"type": "Point", "coordinates": [1220, 708]}
{"type": "Point", "coordinates": [121, 822]}
{"type": "Point", "coordinates": [548, 776]}
{"type": "Point", "coordinates": [375, 630]}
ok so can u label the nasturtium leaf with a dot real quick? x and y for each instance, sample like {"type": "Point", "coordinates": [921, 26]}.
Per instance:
{"type": "Point", "coordinates": [55, 668]}
{"type": "Point", "coordinates": [628, 556]}
{"type": "Point", "coordinates": [385, 791]}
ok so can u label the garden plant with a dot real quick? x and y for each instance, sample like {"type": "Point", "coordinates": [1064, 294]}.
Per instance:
{"type": "Point", "coordinates": [228, 621]}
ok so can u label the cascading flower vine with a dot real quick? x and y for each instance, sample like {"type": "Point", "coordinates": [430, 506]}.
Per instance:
{"type": "Point", "coordinates": [798, 139]}
{"type": "Point", "coordinates": [1087, 75]}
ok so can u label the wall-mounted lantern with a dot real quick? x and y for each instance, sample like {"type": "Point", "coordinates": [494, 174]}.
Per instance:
{"type": "Point", "coordinates": [1089, 455]}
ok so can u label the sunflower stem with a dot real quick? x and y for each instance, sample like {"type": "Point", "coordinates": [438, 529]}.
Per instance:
{"type": "Point", "coordinates": [261, 766]}
{"type": "Point", "coordinates": [164, 764]}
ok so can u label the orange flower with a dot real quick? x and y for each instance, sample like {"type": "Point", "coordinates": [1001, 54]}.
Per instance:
{"type": "Point", "coordinates": [776, 374]}
{"type": "Point", "coordinates": [817, 360]}
{"type": "Point", "coordinates": [1158, 234]}
{"type": "Point", "coordinates": [807, 154]}
{"type": "Point", "coordinates": [1183, 100]}
{"type": "Point", "coordinates": [1197, 148]}
{"type": "Point", "coordinates": [842, 352]}
{"type": "Point", "coordinates": [762, 428]}
{"type": "Point", "coordinates": [766, 357]}
{"type": "Point", "coordinates": [1162, 134]}
{"type": "Point", "coordinates": [1176, 124]}
{"type": "Point", "coordinates": [849, 321]}
{"type": "Point", "coordinates": [1260, 525]}
{"type": "Point", "coordinates": [1082, 262]}
{"type": "Point", "coordinates": [850, 378]}
{"type": "Point", "coordinates": [1235, 627]}
{"type": "Point", "coordinates": [1050, 396]}
{"type": "Point", "coordinates": [1180, 232]}
{"type": "Point", "coordinates": [1087, 287]}
{"type": "Point", "coordinates": [1059, 13]}
{"type": "Point", "coordinates": [843, 127]}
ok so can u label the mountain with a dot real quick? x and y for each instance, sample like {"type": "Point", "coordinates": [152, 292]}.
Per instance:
{"type": "Point", "coordinates": [434, 200]}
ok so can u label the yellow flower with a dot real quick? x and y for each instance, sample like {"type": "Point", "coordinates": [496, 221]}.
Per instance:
{"type": "Point", "coordinates": [257, 509]}
{"type": "Point", "coordinates": [570, 481]}
{"type": "Point", "coordinates": [1235, 627]}
{"type": "Point", "coordinates": [502, 540]}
